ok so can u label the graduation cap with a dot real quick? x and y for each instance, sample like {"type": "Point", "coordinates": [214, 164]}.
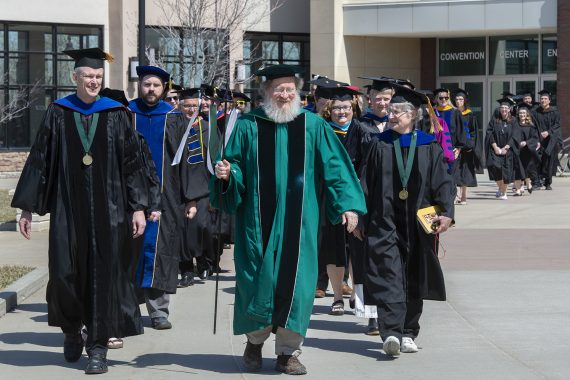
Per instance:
{"type": "Point", "coordinates": [326, 87]}
{"type": "Point", "coordinates": [407, 95]}
{"type": "Point", "coordinates": [506, 101]}
{"type": "Point", "coordinates": [405, 82]}
{"type": "Point", "coordinates": [380, 83]}
{"type": "Point", "coordinates": [507, 94]}
{"type": "Point", "coordinates": [545, 92]}
{"type": "Point", "coordinates": [461, 92]}
{"type": "Point", "coordinates": [241, 95]}
{"type": "Point", "coordinates": [441, 89]}
{"type": "Point", "coordinates": [526, 93]}
{"type": "Point", "coordinates": [344, 93]}
{"type": "Point", "coordinates": [175, 87]}
{"type": "Point", "coordinates": [143, 71]}
{"type": "Point", "coordinates": [207, 90]}
{"type": "Point", "coordinates": [117, 95]}
{"type": "Point", "coordinates": [93, 57]}
{"type": "Point", "coordinates": [189, 93]}
{"type": "Point", "coordinates": [279, 71]}
{"type": "Point", "coordinates": [524, 105]}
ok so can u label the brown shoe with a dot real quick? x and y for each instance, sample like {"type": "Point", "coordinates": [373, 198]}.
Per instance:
{"type": "Point", "coordinates": [290, 365]}
{"type": "Point", "coordinates": [252, 356]}
{"type": "Point", "coordinates": [346, 290]}
{"type": "Point", "coordinates": [319, 293]}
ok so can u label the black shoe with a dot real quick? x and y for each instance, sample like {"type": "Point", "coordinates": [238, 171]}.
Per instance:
{"type": "Point", "coordinates": [372, 327]}
{"type": "Point", "coordinates": [161, 324]}
{"type": "Point", "coordinates": [252, 359]}
{"type": "Point", "coordinates": [204, 274]}
{"type": "Point", "coordinates": [97, 364]}
{"type": "Point", "coordinates": [548, 187]}
{"type": "Point", "coordinates": [73, 347]}
{"type": "Point", "coordinates": [186, 280]}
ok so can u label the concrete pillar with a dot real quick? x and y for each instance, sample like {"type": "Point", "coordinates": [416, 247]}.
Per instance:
{"type": "Point", "coordinates": [563, 65]}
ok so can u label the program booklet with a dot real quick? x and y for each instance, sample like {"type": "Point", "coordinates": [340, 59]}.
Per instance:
{"type": "Point", "coordinates": [426, 218]}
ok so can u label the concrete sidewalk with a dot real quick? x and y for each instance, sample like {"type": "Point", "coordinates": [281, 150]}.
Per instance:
{"type": "Point", "coordinates": [507, 315]}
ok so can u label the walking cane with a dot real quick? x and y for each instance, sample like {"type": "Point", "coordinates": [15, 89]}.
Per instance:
{"type": "Point", "coordinates": [227, 97]}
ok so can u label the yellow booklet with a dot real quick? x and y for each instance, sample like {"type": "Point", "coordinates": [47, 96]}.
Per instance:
{"type": "Point", "coordinates": [426, 218]}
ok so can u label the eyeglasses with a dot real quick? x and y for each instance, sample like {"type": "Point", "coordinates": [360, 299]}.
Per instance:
{"type": "Point", "coordinates": [286, 90]}
{"type": "Point", "coordinates": [443, 97]}
{"type": "Point", "coordinates": [240, 102]}
{"type": "Point", "coordinates": [341, 108]}
{"type": "Point", "coordinates": [190, 105]}
{"type": "Point", "coordinates": [396, 112]}
{"type": "Point", "coordinates": [171, 98]}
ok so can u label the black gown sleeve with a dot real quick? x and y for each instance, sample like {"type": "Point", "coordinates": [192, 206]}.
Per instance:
{"type": "Point", "coordinates": [33, 192]}
{"type": "Point", "coordinates": [460, 138]}
{"type": "Point", "coordinates": [369, 176]}
{"type": "Point", "coordinates": [133, 166]}
{"type": "Point", "coordinates": [442, 188]}
{"type": "Point", "coordinates": [152, 180]}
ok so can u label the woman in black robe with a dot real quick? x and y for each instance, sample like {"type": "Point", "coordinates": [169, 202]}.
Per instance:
{"type": "Point", "coordinates": [466, 164]}
{"type": "Point", "coordinates": [402, 267]}
{"type": "Point", "coordinates": [527, 164]}
{"type": "Point", "coordinates": [500, 147]}
{"type": "Point", "coordinates": [336, 244]}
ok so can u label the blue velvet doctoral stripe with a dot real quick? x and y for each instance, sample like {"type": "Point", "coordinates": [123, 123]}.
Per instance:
{"type": "Point", "coordinates": [446, 116]}
{"type": "Point", "coordinates": [74, 103]}
{"type": "Point", "coordinates": [145, 264]}
{"type": "Point", "coordinates": [405, 139]}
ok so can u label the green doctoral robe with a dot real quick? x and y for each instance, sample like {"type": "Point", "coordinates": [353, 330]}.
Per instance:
{"type": "Point", "coordinates": [276, 173]}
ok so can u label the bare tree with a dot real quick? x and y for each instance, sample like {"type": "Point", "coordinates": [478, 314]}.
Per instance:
{"type": "Point", "coordinates": [20, 101]}
{"type": "Point", "coordinates": [202, 35]}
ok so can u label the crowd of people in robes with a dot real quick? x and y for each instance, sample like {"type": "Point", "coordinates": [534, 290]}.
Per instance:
{"type": "Point", "coordinates": [310, 187]}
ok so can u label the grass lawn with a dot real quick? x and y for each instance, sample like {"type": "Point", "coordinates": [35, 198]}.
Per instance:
{"type": "Point", "coordinates": [10, 273]}
{"type": "Point", "coordinates": [7, 213]}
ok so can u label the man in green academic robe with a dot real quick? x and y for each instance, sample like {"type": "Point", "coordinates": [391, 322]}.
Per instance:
{"type": "Point", "coordinates": [276, 160]}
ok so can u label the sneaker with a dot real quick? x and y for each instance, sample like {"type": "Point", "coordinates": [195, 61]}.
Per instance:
{"type": "Point", "coordinates": [408, 345]}
{"type": "Point", "coordinates": [498, 194]}
{"type": "Point", "coordinates": [290, 365]}
{"type": "Point", "coordinates": [391, 346]}
{"type": "Point", "coordinates": [503, 197]}
{"type": "Point", "coordinates": [252, 359]}
{"type": "Point", "coordinates": [548, 187]}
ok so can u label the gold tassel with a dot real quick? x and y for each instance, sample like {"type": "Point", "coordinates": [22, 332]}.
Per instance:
{"type": "Point", "coordinates": [435, 126]}
{"type": "Point", "coordinates": [109, 57]}
{"type": "Point", "coordinates": [170, 84]}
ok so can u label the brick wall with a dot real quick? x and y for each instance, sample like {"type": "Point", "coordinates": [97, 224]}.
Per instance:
{"type": "Point", "coordinates": [563, 66]}
{"type": "Point", "coordinates": [11, 163]}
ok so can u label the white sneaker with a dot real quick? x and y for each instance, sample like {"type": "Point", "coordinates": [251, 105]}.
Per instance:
{"type": "Point", "coordinates": [503, 197]}
{"type": "Point", "coordinates": [391, 346]}
{"type": "Point", "coordinates": [408, 345]}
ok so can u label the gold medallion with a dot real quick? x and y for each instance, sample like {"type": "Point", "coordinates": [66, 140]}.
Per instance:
{"type": "Point", "coordinates": [403, 194]}
{"type": "Point", "coordinates": [87, 159]}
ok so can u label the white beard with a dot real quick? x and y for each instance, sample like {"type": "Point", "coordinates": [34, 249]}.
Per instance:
{"type": "Point", "coordinates": [285, 114]}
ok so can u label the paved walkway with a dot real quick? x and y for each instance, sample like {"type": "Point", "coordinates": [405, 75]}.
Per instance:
{"type": "Point", "coordinates": [507, 316]}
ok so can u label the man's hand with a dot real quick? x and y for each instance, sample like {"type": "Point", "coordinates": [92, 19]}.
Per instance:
{"type": "Point", "coordinates": [456, 152]}
{"type": "Point", "coordinates": [25, 224]}
{"type": "Point", "coordinates": [544, 134]}
{"type": "Point", "coordinates": [443, 223]}
{"type": "Point", "coordinates": [350, 219]}
{"type": "Point", "coordinates": [139, 224]}
{"type": "Point", "coordinates": [154, 216]}
{"type": "Point", "coordinates": [191, 209]}
{"type": "Point", "coordinates": [523, 144]}
{"type": "Point", "coordinates": [223, 170]}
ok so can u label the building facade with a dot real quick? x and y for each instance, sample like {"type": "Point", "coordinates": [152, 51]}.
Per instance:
{"type": "Point", "coordinates": [33, 37]}
{"type": "Point", "coordinates": [483, 46]}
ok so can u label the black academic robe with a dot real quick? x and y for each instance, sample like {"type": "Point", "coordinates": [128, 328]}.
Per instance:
{"type": "Point", "coordinates": [201, 233]}
{"type": "Point", "coordinates": [401, 259]}
{"type": "Point", "coordinates": [501, 167]}
{"type": "Point", "coordinates": [358, 138]}
{"type": "Point", "coordinates": [162, 244]}
{"type": "Point", "coordinates": [529, 157]}
{"type": "Point", "coordinates": [90, 237]}
{"type": "Point", "coordinates": [468, 162]}
{"type": "Point", "coordinates": [549, 121]}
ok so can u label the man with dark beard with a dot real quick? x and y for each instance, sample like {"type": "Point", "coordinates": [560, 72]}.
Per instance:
{"type": "Point", "coordinates": [163, 128]}
{"type": "Point", "coordinates": [548, 122]}
{"type": "Point", "coordinates": [276, 159]}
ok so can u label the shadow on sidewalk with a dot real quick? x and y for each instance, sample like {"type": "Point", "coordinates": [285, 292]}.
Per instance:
{"type": "Point", "coordinates": [33, 307]}
{"type": "Point", "coordinates": [38, 339]}
{"type": "Point", "coordinates": [22, 358]}
{"type": "Point", "coordinates": [347, 327]}
{"type": "Point", "coordinates": [204, 362]}
{"type": "Point", "coordinates": [350, 346]}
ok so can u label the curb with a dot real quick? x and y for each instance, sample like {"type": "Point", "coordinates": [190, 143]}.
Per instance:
{"type": "Point", "coordinates": [24, 287]}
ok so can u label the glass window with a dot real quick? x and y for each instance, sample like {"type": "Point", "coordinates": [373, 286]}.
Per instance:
{"type": "Point", "coordinates": [291, 50]}
{"type": "Point", "coordinates": [29, 38]}
{"type": "Point", "coordinates": [513, 55]}
{"type": "Point", "coordinates": [462, 56]}
{"type": "Point", "coordinates": [30, 68]}
{"type": "Point", "coordinates": [549, 53]}
{"type": "Point", "coordinates": [77, 37]}
{"type": "Point", "coordinates": [497, 88]}
{"type": "Point", "coordinates": [522, 86]}
{"type": "Point", "coordinates": [550, 85]}
{"type": "Point", "coordinates": [1, 37]}
{"type": "Point", "coordinates": [65, 71]}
